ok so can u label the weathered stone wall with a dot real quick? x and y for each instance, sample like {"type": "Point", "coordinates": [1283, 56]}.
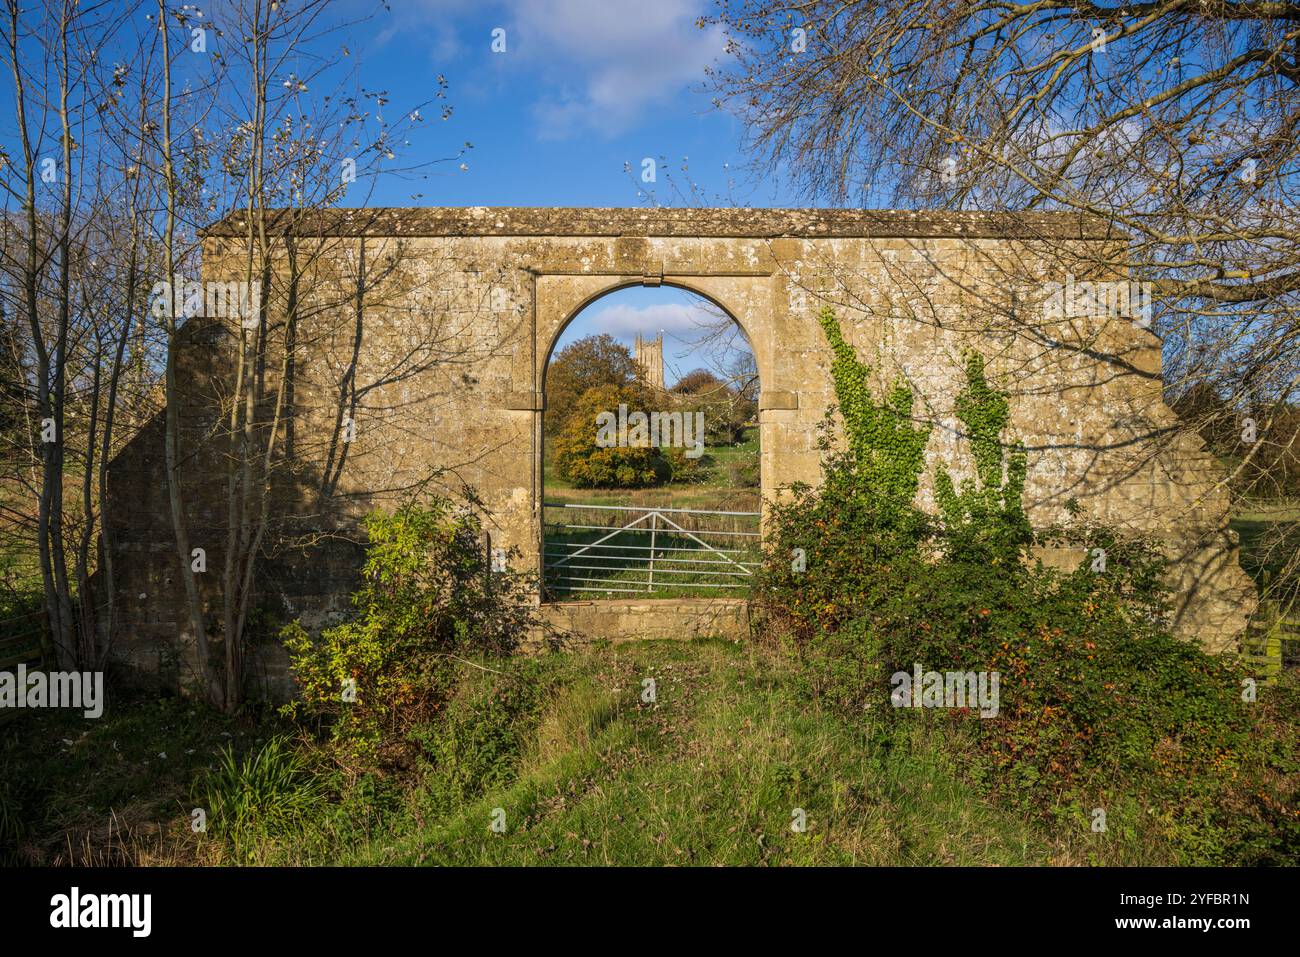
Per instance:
{"type": "Point", "coordinates": [430, 330]}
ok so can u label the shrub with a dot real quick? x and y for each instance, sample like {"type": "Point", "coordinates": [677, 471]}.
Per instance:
{"type": "Point", "coordinates": [828, 561]}
{"type": "Point", "coordinates": [428, 596]}
{"type": "Point", "coordinates": [477, 744]}
{"type": "Point", "coordinates": [681, 467]}
{"type": "Point", "coordinates": [588, 465]}
{"type": "Point", "coordinates": [1100, 706]}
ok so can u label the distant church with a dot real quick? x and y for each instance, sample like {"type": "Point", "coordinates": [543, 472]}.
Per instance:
{"type": "Point", "coordinates": [649, 355]}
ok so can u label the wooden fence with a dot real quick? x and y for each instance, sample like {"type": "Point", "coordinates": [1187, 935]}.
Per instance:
{"type": "Point", "coordinates": [1274, 624]}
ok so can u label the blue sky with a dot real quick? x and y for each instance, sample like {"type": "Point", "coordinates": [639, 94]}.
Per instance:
{"type": "Point", "coordinates": [678, 314]}
{"type": "Point", "coordinates": [583, 88]}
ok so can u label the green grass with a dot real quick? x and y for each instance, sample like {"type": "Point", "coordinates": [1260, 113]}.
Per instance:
{"type": "Point", "coordinates": [101, 791]}
{"type": "Point", "coordinates": [718, 457]}
{"type": "Point", "coordinates": [708, 497]}
{"type": "Point", "coordinates": [712, 773]}
{"type": "Point", "coordinates": [1270, 541]}
{"type": "Point", "coordinates": [582, 769]}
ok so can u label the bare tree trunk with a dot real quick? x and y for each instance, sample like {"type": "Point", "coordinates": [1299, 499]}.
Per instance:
{"type": "Point", "coordinates": [106, 570]}
{"type": "Point", "coordinates": [63, 588]}
{"type": "Point", "coordinates": [172, 426]}
{"type": "Point", "coordinates": [87, 651]}
{"type": "Point", "coordinates": [242, 538]}
{"type": "Point", "coordinates": [56, 644]}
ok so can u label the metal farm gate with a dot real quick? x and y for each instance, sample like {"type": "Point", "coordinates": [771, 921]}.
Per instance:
{"type": "Point", "coordinates": [657, 552]}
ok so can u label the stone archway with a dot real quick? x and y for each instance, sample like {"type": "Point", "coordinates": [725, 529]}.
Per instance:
{"type": "Point", "coordinates": [562, 300]}
{"type": "Point", "coordinates": [492, 288]}
{"type": "Point", "coordinates": [749, 296]}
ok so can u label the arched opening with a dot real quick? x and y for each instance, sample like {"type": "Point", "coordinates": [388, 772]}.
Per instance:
{"type": "Point", "coordinates": [651, 464]}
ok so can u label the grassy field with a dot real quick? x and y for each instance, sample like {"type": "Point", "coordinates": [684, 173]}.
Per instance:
{"type": "Point", "coordinates": [579, 767]}
{"type": "Point", "coordinates": [569, 756]}
{"type": "Point", "coordinates": [110, 791]}
{"type": "Point", "coordinates": [713, 772]}
{"type": "Point", "coordinates": [718, 483]}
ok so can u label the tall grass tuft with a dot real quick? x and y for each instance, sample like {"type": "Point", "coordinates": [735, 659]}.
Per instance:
{"type": "Point", "coordinates": [269, 793]}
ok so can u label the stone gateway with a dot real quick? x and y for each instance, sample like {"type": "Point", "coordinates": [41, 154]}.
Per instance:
{"type": "Point", "coordinates": [407, 348]}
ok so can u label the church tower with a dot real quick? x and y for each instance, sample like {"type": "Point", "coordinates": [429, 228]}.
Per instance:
{"type": "Point", "coordinates": [649, 355]}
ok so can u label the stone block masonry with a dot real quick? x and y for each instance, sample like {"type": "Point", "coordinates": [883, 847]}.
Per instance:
{"type": "Point", "coordinates": [419, 340]}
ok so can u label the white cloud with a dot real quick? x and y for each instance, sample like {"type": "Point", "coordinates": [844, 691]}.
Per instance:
{"type": "Point", "coordinates": [681, 320]}
{"type": "Point", "coordinates": [435, 20]}
{"type": "Point", "coordinates": [611, 60]}
{"type": "Point", "coordinates": [588, 66]}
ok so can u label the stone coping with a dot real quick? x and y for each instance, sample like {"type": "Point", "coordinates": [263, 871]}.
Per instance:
{"type": "Point", "coordinates": [740, 223]}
